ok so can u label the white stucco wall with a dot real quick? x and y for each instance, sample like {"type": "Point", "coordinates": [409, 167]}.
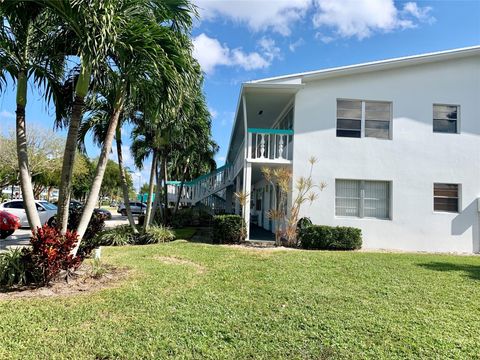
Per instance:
{"type": "Point", "coordinates": [413, 160]}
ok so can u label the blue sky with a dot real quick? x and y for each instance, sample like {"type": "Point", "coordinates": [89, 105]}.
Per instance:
{"type": "Point", "coordinates": [241, 40]}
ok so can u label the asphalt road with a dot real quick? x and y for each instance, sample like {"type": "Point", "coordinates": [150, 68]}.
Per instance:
{"type": "Point", "coordinates": [21, 236]}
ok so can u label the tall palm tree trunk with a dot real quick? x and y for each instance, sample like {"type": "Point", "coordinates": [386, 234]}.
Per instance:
{"type": "Point", "coordinates": [123, 179]}
{"type": "Point", "coordinates": [177, 203]}
{"type": "Point", "coordinates": [101, 166]}
{"type": "Point", "coordinates": [150, 192]}
{"type": "Point", "coordinates": [165, 188]}
{"type": "Point", "coordinates": [22, 154]}
{"type": "Point", "coordinates": [81, 89]}
{"type": "Point", "coordinates": [157, 203]}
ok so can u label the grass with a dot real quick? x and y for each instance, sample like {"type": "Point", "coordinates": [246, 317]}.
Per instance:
{"type": "Point", "coordinates": [213, 302]}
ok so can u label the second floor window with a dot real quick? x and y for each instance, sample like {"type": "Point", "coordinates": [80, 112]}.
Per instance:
{"type": "Point", "coordinates": [357, 118]}
{"type": "Point", "coordinates": [445, 118]}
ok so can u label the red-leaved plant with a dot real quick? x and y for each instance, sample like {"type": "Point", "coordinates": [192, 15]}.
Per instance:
{"type": "Point", "coordinates": [51, 252]}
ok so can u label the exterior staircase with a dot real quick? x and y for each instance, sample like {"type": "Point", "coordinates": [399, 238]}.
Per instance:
{"type": "Point", "coordinates": [208, 189]}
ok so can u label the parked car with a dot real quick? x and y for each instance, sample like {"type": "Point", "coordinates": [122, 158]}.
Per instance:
{"type": "Point", "coordinates": [74, 205]}
{"type": "Point", "coordinates": [107, 214]}
{"type": "Point", "coordinates": [136, 207]}
{"type": "Point", "coordinates": [46, 211]}
{"type": "Point", "coordinates": [78, 206]}
{"type": "Point", "coordinates": [8, 224]}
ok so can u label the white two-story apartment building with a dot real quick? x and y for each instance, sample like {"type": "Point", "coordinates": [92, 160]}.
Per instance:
{"type": "Point", "coordinates": [397, 143]}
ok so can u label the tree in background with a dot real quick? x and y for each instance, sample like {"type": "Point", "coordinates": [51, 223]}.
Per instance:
{"type": "Point", "coordinates": [28, 33]}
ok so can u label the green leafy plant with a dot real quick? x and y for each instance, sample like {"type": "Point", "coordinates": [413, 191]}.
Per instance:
{"type": "Point", "coordinates": [195, 216]}
{"type": "Point", "coordinates": [117, 236]}
{"type": "Point", "coordinates": [98, 270]}
{"type": "Point", "coordinates": [303, 223]}
{"type": "Point", "coordinates": [155, 234]}
{"type": "Point", "coordinates": [330, 238]}
{"type": "Point", "coordinates": [16, 267]}
{"type": "Point", "coordinates": [228, 229]}
{"type": "Point", "coordinates": [95, 226]}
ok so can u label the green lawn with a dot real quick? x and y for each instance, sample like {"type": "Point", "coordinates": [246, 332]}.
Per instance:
{"type": "Point", "coordinates": [228, 302]}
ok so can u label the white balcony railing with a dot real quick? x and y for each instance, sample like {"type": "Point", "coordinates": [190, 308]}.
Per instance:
{"type": "Point", "coordinates": [270, 145]}
{"type": "Point", "coordinates": [202, 187]}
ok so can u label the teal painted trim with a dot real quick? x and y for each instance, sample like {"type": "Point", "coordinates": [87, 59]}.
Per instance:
{"type": "Point", "coordinates": [143, 197]}
{"type": "Point", "coordinates": [271, 131]}
{"type": "Point", "coordinates": [174, 182]}
{"type": "Point", "coordinates": [193, 182]}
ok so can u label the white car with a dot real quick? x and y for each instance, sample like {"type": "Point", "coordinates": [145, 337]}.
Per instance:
{"type": "Point", "coordinates": [136, 207]}
{"type": "Point", "coordinates": [46, 211]}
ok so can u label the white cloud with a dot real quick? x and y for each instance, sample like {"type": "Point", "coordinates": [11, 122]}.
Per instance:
{"type": "Point", "coordinates": [296, 44]}
{"type": "Point", "coordinates": [6, 114]}
{"type": "Point", "coordinates": [343, 18]}
{"type": "Point", "coordinates": [269, 48]}
{"type": "Point", "coordinates": [276, 15]}
{"type": "Point", "coordinates": [362, 18]}
{"type": "Point", "coordinates": [324, 38]}
{"type": "Point", "coordinates": [210, 53]}
{"type": "Point", "coordinates": [422, 14]}
{"type": "Point", "coordinates": [250, 61]}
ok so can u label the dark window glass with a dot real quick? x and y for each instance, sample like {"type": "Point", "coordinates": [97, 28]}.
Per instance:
{"type": "Point", "coordinates": [348, 133]}
{"type": "Point", "coordinates": [347, 124]}
{"type": "Point", "coordinates": [445, 197]}
{"type": "Point", "coordinates": [445, 126]}
{"type": "Point", "coordinates": [349, 118]}
{"type": "Point", "coordinates": [445, 118]}
{"type": "Point", "coordinates": [377, 119]}
{"type": "Point", "coordinates": [378, 129]}
{"type": "Point", "coordinates": [16, 205]}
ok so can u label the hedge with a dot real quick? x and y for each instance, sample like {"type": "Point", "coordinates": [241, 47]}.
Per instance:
{"type": "Point", "coordinates": [228, 229]}
{"type": "Point", "coordinates": [330, 238]}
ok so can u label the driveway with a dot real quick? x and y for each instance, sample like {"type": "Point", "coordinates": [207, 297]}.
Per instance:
{"type": "Point", "coordinates": [21, 237]}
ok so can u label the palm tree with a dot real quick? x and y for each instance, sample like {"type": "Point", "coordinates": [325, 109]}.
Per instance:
{"type": "Point", "coordinates": [148, 140]}
{"type": "Point", "coordinates": [193, 155]}
{"type": "Point", "coordinates": [28, 50]}
{"type": "Point", "coordinates": [178, 139]}
{"type": "Point", "coordinates": [147, 52]}
{"type": "Point", "coordinates": [91, 26]}
{"type": "Point", "coordinates": [100, 108]}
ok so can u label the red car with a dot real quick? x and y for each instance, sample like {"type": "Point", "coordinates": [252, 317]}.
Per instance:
{"type": "Point", "coordinates": [8, 224]}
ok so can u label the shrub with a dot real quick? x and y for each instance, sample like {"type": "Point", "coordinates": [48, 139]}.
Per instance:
{"type": "Point", "coordinates": [228, 229]}
{"type": "Point", "coordinates": [51, 252]}
{"type": "Point", "coordinates": [95, 226]}
{"type": "Point", "coordinates": [304, 223]}
{"type": "Point", "coordinates": [183, 217]}
{"type": "Point", "coordinates": [195, 216]}
{"type": "Point", "coordinates": [155, 235]}
{"type": "Point", "coordinates": [117, 236]}
{"type": "Point", "coordinates": [330, 238]}
{"type": "Point", "coordinates": [16, 268]}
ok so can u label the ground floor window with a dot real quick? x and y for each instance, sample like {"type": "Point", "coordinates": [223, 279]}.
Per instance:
{"type": "Point", "coordinates": [445, 197]}
{"type": "Point", "coordinates": [362, 198]}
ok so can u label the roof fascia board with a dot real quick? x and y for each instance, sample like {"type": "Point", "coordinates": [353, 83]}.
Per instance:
{"type": "Point", "coordinates": [379, 65]}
